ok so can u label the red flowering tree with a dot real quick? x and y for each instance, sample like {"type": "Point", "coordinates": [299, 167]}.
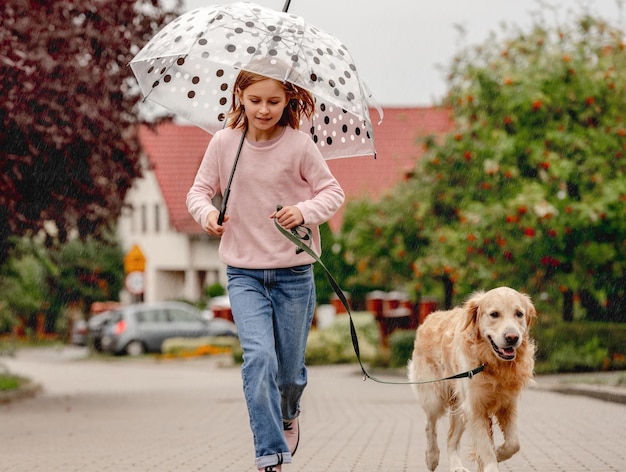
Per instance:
{"type": "Point", "coordinates": [380, 241]}
{"type": "Point", "coordinates": [68, 144]}
{"type": "Point", "coordinates": [529, 190]}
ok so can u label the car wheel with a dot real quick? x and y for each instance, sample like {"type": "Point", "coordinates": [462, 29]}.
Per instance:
{"type": "Point", "coordinates": [135, 348]}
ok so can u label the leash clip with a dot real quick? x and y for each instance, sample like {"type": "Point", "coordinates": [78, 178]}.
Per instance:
{"type": "Point", "coordinates": [300, 239]}
{"type": "Point", "coordinates": [478, 370]}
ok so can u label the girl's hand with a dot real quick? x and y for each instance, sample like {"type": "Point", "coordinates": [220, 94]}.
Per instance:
{"type": "Point", "coordinates": [288, 217]}
{"type": "Point", "coordinates": [211, 226]}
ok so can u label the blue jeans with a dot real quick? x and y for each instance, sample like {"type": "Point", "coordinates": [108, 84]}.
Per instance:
{"type": "Point", "coordinates": [273, 310]}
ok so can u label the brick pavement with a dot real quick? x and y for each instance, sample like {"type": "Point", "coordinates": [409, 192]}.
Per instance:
{"type": "Point", "coordinates": [127, 415]}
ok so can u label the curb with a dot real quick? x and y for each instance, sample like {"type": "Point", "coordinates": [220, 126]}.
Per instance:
{"type": "Point", "coordinates": [30, 389]}
{"type": "Point", "coordinates": [599, 392]}
{"type": "Point", "coordinates": [608, 393]}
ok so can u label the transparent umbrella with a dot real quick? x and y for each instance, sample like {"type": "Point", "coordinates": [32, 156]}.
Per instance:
{"type": "Point", "coordinates": [190, 65]}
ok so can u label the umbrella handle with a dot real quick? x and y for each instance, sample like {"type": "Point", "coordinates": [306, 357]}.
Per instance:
{"type": "Point", "coordinates": [220, 218]}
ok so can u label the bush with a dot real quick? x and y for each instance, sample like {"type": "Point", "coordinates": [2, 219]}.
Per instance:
{"type": "Point", "coordinates": [575, 346]}
{"type": "Point", "coordinates": [192, 347]}
{"type": "Point", "coordinates": [571, 358]}
{"type": "Point", "coordinates": [401, 347]}
{"type": "Point", "coordinates": [561, 347]}
{"type": "Point", "coordinates": [9, 382]}
{"type": "Point", "coordinates": [8, 320]}
{"type": "Point", "coordinates": [215, 290]}
{"type": "Point", "coordinates": [333, 344]}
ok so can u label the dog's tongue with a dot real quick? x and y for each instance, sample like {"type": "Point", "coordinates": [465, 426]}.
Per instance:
{"type": "Point", "coordinates": [507, 352]}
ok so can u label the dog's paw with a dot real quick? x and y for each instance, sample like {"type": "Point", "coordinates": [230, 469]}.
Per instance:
{"type": "Point", "coordinates": [432, 459]}
{"type": "Point", "coordinates": [489, 468]}
{"type": "Point", "coordinates": [507, 450]}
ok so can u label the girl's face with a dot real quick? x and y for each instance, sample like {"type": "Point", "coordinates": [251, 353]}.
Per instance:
{"type": "Point", "coordinates": [264, 103]}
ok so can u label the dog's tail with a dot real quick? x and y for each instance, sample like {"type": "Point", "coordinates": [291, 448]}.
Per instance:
{"type": "Point", "coordinates": [412, 376]}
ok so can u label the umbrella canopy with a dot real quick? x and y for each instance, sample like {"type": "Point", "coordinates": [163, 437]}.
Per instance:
{"type": "Point", "coordinates": [189, 67]}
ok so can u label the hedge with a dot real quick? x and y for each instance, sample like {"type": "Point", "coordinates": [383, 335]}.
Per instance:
{"type": "Point", "coordinates": [561, 347]}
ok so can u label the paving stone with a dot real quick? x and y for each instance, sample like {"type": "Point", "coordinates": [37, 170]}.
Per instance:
{"type": "Point", "coordinates": [127, 415]}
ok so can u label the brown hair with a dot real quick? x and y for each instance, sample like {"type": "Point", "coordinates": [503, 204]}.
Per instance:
{"type": "Point", "coordinates": [300, 102]}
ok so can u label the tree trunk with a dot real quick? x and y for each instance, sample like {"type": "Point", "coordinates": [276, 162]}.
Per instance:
{"type": "Point", "coordinates": [448, 289]}
{"type": "Point", "coordinates": [616, 305]}
{"type": "Point", "coordinates": [568, 306]}
{"type": "Point", "coordinates": [593, 310]}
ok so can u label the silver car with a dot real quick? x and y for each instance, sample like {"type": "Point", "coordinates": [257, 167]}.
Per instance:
{"type": "Point", "coordinates": [139, 328]}
{"type": "Point", "coordinates": [95, 326]}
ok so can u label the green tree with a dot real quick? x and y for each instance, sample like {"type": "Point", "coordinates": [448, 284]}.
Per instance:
{"type": "Point", "coordinates": [380, 240]}
{"type": "Point", "coordinates": [88, 271]}
{"type": "Point", "coordinates": [23, 286]}
{"type": "Point", "coordinates": [529, 188]}
{"type": "Point", "coordinates": [336, 266]}
{"type": "Point", "coordinates": [40, 280]}
{"type": "Point", "coordinates": [68, 144]}
{"type": "Point", "coordinates": [540, 133]}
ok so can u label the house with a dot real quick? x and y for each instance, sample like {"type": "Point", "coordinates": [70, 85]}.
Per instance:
{"type": "Point", "coordinates": [180, 259]}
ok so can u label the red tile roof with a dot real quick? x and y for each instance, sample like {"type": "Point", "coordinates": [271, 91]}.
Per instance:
{"type": "Point", "coordinates": [398, 148]}
{"type": "Point", "coordinates": [175, 152]}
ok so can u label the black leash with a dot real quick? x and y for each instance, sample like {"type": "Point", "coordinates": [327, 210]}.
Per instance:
{"type": "Point", "coordinates": [220, 218]}
{"type": "Point", "coordinates": [299, 236]}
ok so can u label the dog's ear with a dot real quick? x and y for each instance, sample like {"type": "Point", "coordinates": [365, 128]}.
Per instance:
{"type": "Point", "coordinates": [531, 312]}
{"type": "Point", "coordinates": [470, 310]}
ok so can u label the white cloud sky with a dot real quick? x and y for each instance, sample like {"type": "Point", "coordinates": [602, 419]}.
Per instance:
{"type": "Point", "coordinates": [399, 46]}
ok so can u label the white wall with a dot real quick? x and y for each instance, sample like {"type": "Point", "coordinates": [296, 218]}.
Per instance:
{"type": "Point", "coordinates": [177, 265]}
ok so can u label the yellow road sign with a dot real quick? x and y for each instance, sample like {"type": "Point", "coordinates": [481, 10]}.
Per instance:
{"type": "Point", "coordinates": [134, 261]}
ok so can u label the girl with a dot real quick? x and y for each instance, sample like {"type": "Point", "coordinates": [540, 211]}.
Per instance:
{"type": "Point", "coordinates": [271, 287]}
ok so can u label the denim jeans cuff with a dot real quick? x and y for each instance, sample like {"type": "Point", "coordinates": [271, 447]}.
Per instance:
{"type": "Point", "coordinates": [273, 459]}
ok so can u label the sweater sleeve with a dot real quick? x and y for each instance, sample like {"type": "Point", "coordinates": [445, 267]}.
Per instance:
{"type": "Point", "coordinates": [205, 185]}
{"type": "Point", "coordinates": [328, 195]}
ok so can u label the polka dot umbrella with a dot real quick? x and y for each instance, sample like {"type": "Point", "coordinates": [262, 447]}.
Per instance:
{"type": "Point", "coordinates": [190, 65]}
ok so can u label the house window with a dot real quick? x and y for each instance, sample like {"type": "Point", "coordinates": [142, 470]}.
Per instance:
{"type": "Point", "coordinates": [157, 218]}
{"type": "Point", "coordinates": [129, 214]}
{"type": "Point", "coordinates": [144, 219]}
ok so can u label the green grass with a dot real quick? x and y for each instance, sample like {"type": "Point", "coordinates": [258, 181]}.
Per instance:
{"type": "Point", "coordinates": [9, 382]}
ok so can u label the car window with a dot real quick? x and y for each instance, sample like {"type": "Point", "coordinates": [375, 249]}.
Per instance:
{"type": "Point", "coordinates": [115, 317]}
{"type": "Point", "coordinates": [151, 316]}
{"type": "Point", "coordinates": [180, 315]}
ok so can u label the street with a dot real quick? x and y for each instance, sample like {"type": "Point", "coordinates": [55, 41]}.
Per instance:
{"type": "Point", "coordinates": [145, 414]}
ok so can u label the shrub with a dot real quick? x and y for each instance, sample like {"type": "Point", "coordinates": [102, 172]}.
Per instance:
{"type": "Point", "coordinates": [561, 347]}
{"type": "Point", "coordinates": [401, 347]}
{"type": "Point", "coordinates": [581, 342]}
{"type": "Point", "coordinates": [215, 290]}
{"type": "Point", "coordinates": [333, 344]}
{"type": "Point", "coordinates": [192, 347]}
{"type": "Point", "coordinates": [572, 358]}
{"type": "Point", "coordinates": [9, 382]}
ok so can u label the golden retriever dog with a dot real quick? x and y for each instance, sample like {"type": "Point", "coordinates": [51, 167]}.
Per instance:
{"type": "Point", "coordinates": [490, 329]}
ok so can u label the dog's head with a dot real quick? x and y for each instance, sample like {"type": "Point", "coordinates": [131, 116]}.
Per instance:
{"type": "Point", "coordinates": [502, 318]}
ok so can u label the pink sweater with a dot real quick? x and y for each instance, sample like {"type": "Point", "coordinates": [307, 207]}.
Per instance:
{"type": "Point", "coordinates": [286, 171]}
